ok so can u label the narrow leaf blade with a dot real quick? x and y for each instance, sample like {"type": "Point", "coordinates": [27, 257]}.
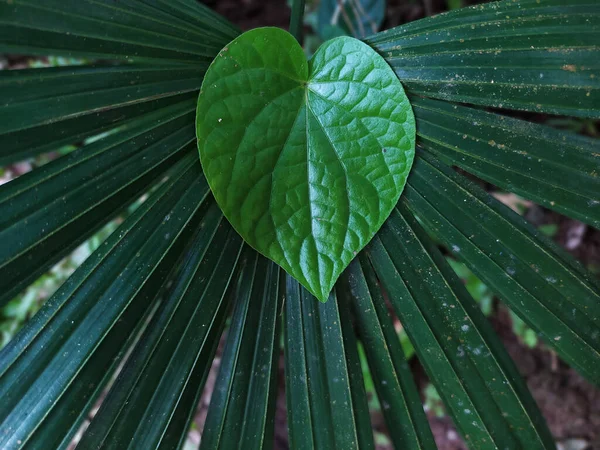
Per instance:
{"type": "Point", "coordinates": [556, 169]}
{"type": "Point", "coordinates": [396, 389]}
{"type": "Point", "coordinates": [540, 56]}
{"type": "Point", "coordinates": [464, 358]}
{"type": "Point", "coordinates": [539, 281]}
{"type": "Point", "coordinates": [323, 410]}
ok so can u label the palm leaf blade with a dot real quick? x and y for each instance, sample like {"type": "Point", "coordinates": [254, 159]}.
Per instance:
{"type": "Point", "coordinates": [242, 407]}
{"type": "Point", "coordinates": [130, 397]}
{"type": "Point", "coordinates": [556, 169]}
{"type": "Point", "coordinates": [536, 279]}
{"type": "Point", "coordinates": [96, 173]}
{"type": "Point", "coordinates": [59, 427]}
{"type": "Point", "coordinates": [536, 56]}
{"type": "Point", "coordinates": [18, 145]}
{"type": "Point", "coordinates": [162, 390]}
{"type": "Point", "coordinates": [32, 361]}
{"type": "Point", "coordinates": [107, 30]}
{"type": "Point", "coordinates": [396, 389]}
{"type": "Point", "coordinates": [322, 412]}
{"type": "Point", "coordinates": [26, 268]}
{"type": "Point", "coordinates": [90, 89]}
{"type": "Point", "coordinates": [476, 378]}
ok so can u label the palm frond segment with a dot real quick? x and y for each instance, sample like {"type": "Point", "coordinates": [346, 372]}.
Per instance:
{"type": "Point", "coordinates": [557, 169]}
{"type": "Point", "coordinates": [242, 408]}
{"type": "Point", "coordinates": [42, 208]}
{"type": "Point", "coordinates": [539, 281]}
{"type": "Point", "coordinates": [40, 365]}
{"type": "Point", "coordinates": [134, 31]}
{"type": "Point", "coordinates": [326, 400]}
{"type": "Point", "coordinates": [396, 390]}
{"type": "Point", "coordinates": [463, 357]}
{"type": "Point", "coordinates": [540, 56]}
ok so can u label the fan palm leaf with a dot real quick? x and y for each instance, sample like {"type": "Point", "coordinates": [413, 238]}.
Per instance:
{"type": "Point", "coordinates": [142, 317]}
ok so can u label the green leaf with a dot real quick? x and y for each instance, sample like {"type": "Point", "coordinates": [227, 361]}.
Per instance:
{"type": "Point", "coordinates": [34, 262]}
{"type": "Point", "coordinates": [242, 408]}
{"type": "Point", "coordinates": [554, 168]}
{"type": "Point", "coordinates": [49, 200]}
{"type": "Point", "coordinates": [40, 363]}
{"type": "Point", "coordinates": [297, 20]}
{"type": "Point", "coordinates": [358, 18]}
{"type": "Point", "coordinates": [540, 56]}
{"type": "Point", "coordinates": [549, 229]}
{"type": "Point", "coordinates": [396, 389]}
{"type": "Point", "coordinates": [306, 160]}
{"type": "Point", "coordinates": [537, 279]}
{"type": "Point", "coordinates": [139, 31]}
{"type": "Point", "coordinates": [168, 366]}
{"type": "Point", "coordinates": [520, 328]}
{"type": "Point", "coordinates": [454, 4]}
{"type": "Point", "coordinates": [51, 107]}
{"type": "Point", "coordinates": [464, 358]}
{"type": "Point", "coordinates": [326, 400]}
{"type": "Point", "coordinates": [39, 97]}
{"type": "Point", "coordinates": [18, 145]}
{"type": "Point", "coordinates": [60, 425]}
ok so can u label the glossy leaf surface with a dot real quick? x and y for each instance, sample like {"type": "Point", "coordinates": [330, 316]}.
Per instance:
{"type": "Point", "coordinates": [39, 366]}
{"type": "Point", "coordinates": [477, 380]}
{"type": "Point", "coordinates": [305, 159]}
{"type": "Point", "coordinates": [326, 398]}
{"type": "Point", "coordinates": [168, 367]}
{"type": "Point", "coordinates": [556, 169]}
{"type": "Point", "coordinates": [242, 409]}
{"type": "Point", "coordinates": [177, 32]}
{"type": "Point", "coordinates": [154, 298]}
{"type": "Point", "coordinates": [538, 280]}
{"type": "Point", "coordinates": [534, 55]}
{"type": "Point", "coordinates": [393, 379]}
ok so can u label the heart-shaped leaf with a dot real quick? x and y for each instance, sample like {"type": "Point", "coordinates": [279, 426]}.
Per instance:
{"type": "Point", "coordinates": [306, 160]}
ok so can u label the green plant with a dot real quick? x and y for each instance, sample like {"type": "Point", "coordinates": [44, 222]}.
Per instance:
{"type": "Point", "coordinates": [152, 301]}
{"type": "Point", "coordinates": [306, 160]}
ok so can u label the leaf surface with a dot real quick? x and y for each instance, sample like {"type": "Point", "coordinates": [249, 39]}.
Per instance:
{"type": "Point", "coordinates": [538, 280]}
{"type": "Point", "coordinates": [306, 160]}
{"type": "Point", "coordinates": [532, 55]}
{"type": "Point", "coordinates": [554, 168]}
{"type": "Point", "coordinates": [394, 384]}
{"type": "Point", "coordinates": [140, 31]}
{"type": "Point", "coordinates": [38, 367]}
{"type": "Point", "coordinates": [242, 408]}
{"type": "Point", "coordinates": [464, 358]}
{"type": "Point", "coordinates": [326, 400]}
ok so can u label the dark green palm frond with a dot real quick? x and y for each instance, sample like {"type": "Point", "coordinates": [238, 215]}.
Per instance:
{"type": "Point", "coordinates": [538, 280]}
{"type": "Point", "coordinates": [396, 389]}
{"type": "Point", "coordinates": [526, 55]}
{"type": "Point", "coordinates": [140, 320]}
{"type": "Point", "coordinates": [169, 364]}
{"type": "Point", "coordinates": [326, 400]}
{"type": "Point", "coordinates": [555, 169]}
{"type": "Point", "coordinates": [42, 208]}
{"type": "Point", "coordinates": [463, 357]}
{"type": "Point", "coordinates": [243, 401]}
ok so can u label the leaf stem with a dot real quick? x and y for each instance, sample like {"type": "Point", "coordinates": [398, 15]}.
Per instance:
{"type": "Point", "coordinates": [296, 20]}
